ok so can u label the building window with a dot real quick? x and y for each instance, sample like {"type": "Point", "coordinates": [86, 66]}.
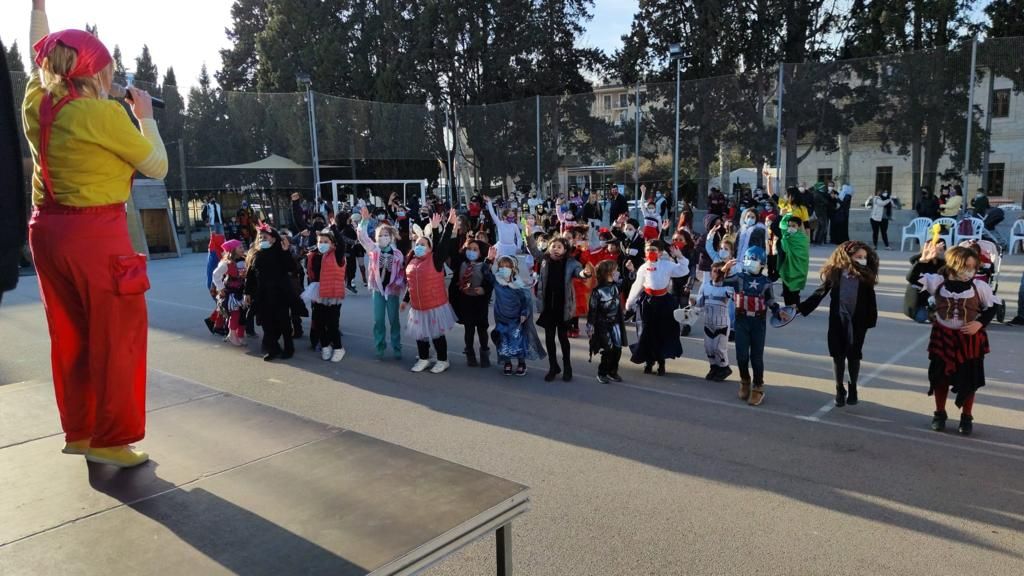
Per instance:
{"type": "Point", "coordinates": [824, 175]}
{"type": "Point", "coordinates": [623, 100]}
{"type": "Point", "coordinates": [607, 102]}
{"type": "Point", "coordinates": [995, 178]}
{"type": "Point", "coordinates": [883, 178]}
{"type": "Point", "coordinates": [1001, 103]}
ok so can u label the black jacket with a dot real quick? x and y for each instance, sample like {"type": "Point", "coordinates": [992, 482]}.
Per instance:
{"type": "Point", "coordinates": [864, 317]}
{"type": "Point", "coordinates": [12, 184]}
{"type": "Point", "coordinates": [618, 205]}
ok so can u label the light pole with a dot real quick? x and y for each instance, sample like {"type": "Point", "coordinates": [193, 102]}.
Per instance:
{"type": "Point", "coordinates": [303, 79]}
{"type": "Point", "coordinates": [675, 54]}
{"type": "Point", "coordinates": [449, 146]}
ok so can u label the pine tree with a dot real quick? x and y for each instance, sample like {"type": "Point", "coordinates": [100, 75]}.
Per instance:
{"type": "Point", "coordinates": [1006, 18]}
{"type": "Point", "coordinates": [120, 74]}
{"type": "Point", "coordinates": [14, 61]}
{"type": "Point", "coordinates": [146, 74]}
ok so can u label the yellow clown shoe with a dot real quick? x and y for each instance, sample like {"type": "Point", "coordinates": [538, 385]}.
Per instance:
{"type": "Point", "coordinates": [77, 448]}
{"type": "Point", "coordinates": [120, 456]}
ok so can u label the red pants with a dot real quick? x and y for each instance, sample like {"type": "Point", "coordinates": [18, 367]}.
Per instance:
{"type": "Point", "coordinates": [97, 336]}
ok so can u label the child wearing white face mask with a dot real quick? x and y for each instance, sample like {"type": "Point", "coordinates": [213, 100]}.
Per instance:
{"type": "Point", "coordinates": [387, 284]}
{"type": "Point", "coordinates": [515, 338]}
{"type": "Point", "coordinates": [849, 277]}
{"type": "Point", "coordinates": [325, 268]}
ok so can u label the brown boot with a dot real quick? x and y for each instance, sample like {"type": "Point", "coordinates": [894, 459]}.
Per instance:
{"type": "Point", "coordinates": [744, 389]}
{"type": "Point", "coordinates": [756, 395]}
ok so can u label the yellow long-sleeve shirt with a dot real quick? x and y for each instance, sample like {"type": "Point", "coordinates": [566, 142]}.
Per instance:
{"type": "Point", "coordinates": [94, 147]}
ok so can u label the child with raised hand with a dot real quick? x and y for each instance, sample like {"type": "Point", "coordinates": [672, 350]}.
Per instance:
{"type": "Point", "coordinates": [386, 281]}
{"type": "Point", "coordinates": [964, 307]}
{"type": "Point", "coordinates": [658, 330]}
{"type": "Point", "coordinates": [430, 314]}
{"type": "Point", "coordinates": [848, 277]}
{"type": "Point", "coordinates": [513, 310]}
{"type": "Point", "coordinates": [325, 267]}
{"type": "Point", "coordinates": [606, 326]}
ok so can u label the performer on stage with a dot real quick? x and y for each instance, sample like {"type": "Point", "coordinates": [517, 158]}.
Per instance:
{"type": "Point", "coordinates": [85, 152]}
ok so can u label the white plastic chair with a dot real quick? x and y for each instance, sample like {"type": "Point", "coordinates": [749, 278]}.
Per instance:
{"type": "Point", "coordinates": [977, 227]}
{"type": "Point", "coordinates": [916, 230]}
{"type": "Point", "coordinates": [1017, 235]}
{"type": "Point", "coordinates": [950, 229]}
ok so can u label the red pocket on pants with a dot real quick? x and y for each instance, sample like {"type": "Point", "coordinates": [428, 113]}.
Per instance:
{"type": "Point", "coordinates": [130, 276]}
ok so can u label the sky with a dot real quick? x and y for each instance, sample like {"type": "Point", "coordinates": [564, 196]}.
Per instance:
{"type": "Point", "coordinates": [187, 33]}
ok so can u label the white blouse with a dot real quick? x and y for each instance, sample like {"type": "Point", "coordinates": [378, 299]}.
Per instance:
{"type": "Point", "coordinates": [656, 276]}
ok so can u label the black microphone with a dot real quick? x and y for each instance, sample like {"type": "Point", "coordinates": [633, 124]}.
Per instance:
{"type": "Point", "coordinates": [118, 91]}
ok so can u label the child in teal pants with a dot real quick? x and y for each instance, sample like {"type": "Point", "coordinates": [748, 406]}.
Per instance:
{"type": "Point", "coordinates": [387, 285]}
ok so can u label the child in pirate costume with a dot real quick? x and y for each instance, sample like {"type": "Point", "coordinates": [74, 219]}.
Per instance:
{"type": "Point", "coordinates": [470, 296]}
{"type": "Point", "coordinates": [605, 321]}
{"type": "Point", "coordinates": [386, 281]}
{"type": "Point", "coordinates": [964, 307]}
{"type": "Point", "coordinates": [657, 328]}
{"type": "Point", "coordinates": [715, 298]}
{"type": "Point", "coordinates": [216, 323]}
{"type": "Point", "coordinates": [849, 277]}
{"type": "Point", "coordinates": [515, 337]}
{"type": "Point", "coordinates": [229, 284]}
{"type": "Point", "coordinates": [430, 314]}
{"type": "Point", "coordinates": [754, 298]}
{"type": "Point", "coordinates": [326, 270]}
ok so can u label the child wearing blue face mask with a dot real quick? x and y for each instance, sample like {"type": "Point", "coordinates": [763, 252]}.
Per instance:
{"type": "Point", "coordinates": [470, 296]}
{"type": "Point", "coordinates": [325, 268]}
{"type": "Point", "coordinates": [430, 314]}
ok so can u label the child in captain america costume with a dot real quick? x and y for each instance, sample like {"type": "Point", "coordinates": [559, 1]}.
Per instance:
{"type": "Point", "coordinates": [754, 299]}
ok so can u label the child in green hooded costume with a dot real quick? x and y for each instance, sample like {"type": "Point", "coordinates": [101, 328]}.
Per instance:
{"type": "Point", "coordinates": [796, 259]}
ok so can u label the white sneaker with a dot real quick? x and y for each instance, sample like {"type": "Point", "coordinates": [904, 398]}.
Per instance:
{"type": "Point", "coordinates": [420, 365]}
{"type": "Point", "coordinates": [326, 352]}
{"type": "Point", "coordinates": [439, 367]}
{"type": "Point", "coordinates": [338, 355]}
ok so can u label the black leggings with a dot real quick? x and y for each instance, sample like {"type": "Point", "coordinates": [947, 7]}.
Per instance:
{"type": "Point", "coordinates": [277, 326]}
{"type": "Point", "coordinates": [882, 226]}
{"type": "Point", "coordinates": [326, 320]}
{"type": "Point", "coordinates": [609, 362]}
{"type": "Point", "coordinates": [790, 297]}
{"type": "Point", "coordinates": [440, 345]}
{"type": "Point", "coordinates": [561, 329]}
{"type": "Point", "coordinates": [479, 331]}
{"type": "Point", "coordinates": [839, 364]}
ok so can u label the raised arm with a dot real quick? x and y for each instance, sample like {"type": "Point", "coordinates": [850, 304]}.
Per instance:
{"type": "Point", "coordinates": [490, 209]}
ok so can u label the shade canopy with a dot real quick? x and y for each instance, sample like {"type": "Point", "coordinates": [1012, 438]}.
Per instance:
{"type": "Point", "coordinates": [272, 162]}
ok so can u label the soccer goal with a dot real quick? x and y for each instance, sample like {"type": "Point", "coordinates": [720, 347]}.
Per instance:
{"type": "Point", "coordinates": [351, 200]}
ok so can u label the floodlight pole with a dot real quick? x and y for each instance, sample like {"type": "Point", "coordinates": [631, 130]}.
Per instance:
{"type": "Point", "coordinates": [676, 55]}
{"type": "Point", "coordinates": [970, 115]}
{"type": "Point", "coordinates": [303, 78]}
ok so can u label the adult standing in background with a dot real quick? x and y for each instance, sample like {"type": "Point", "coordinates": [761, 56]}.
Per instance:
{"type": "Point", "coordinates": [822, 202]}
{"type": "Point", "coordinates": [92, 281]}
{"type": "Point", "coordinates": [12, 197]}
{"type": "Point", "coordinates": [213, 215]}
{"type": "Point", "coordinates": [617, 204]}
{"type": "Point", "coordinates": [927, 204]}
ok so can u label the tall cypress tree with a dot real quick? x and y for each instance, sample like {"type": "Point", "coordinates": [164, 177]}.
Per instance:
{"type": "Point", "coordinates": [13, 56]}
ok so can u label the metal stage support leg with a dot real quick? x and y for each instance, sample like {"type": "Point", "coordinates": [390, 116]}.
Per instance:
{"type": "Point", "coordinates": [503, 535]}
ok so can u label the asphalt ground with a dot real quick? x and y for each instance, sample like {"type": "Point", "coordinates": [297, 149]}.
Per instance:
{"type": "Point", "coordinates": [656, 475]}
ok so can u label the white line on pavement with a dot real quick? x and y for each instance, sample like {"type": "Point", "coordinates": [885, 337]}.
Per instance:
{"type": "Point", "coordinates": [915, 345]}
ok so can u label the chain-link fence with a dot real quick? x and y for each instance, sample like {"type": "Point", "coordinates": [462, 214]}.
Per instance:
{"type": "Point", "coordinates": [895, 123]}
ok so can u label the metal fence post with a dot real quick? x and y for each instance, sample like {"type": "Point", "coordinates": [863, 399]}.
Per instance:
{"type": "Point", "coordinates": [537, 101]}
{"type": "Point", "coordinates": [778, 131]}
{"type": "Point", "coordinates": [970, 117]}
{"type": "Point", "coordinates": [636, 150]}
